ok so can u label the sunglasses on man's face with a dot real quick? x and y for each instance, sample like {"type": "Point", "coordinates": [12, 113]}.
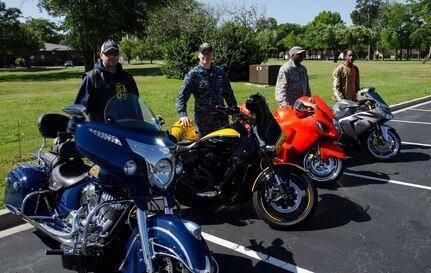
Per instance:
{"type": "Point", "coordinates": [111, 53]}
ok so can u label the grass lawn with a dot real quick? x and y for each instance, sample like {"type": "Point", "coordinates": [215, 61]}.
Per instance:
{"type": "Point", "coordinates": [27, 94]}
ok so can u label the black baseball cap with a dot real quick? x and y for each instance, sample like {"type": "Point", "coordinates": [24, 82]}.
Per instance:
{"type": "Point", "coordinates": [204, 46]}
{"type": "Point", "coordinates": [108, 45]}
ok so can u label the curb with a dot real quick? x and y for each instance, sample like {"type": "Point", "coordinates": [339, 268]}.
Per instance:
{"type": "Point", "coordinates": [409, 103]}
{"type": "Point", "coordinates": [8, 219]}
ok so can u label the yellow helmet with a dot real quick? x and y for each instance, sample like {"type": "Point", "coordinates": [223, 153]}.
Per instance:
{"type": "Point", "coordinates": [182, 132]}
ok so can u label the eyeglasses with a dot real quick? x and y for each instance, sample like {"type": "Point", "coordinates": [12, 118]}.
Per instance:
{"type": "Point", "coordinates": [111, 53]}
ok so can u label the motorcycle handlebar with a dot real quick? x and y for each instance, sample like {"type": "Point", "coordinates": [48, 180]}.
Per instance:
{"type": "Point", "coordinates": [227, 110]}
{"type": "Point", "coordinates": [236, 113]}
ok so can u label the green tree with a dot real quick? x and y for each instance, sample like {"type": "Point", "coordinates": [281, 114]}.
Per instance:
{"type": "Point", "coordinates": [289, 35]}
{"type": "Point", "coordinates": [89, 23]}
{"type": "Point", "coordinates": [394, 19]}
{"type": "Point", "coordinates": [327, 32]}
{"type": "Point", "coordinates": [127, 46]}
{"type": "Point", "coordinates": [421, 35]}
{"type": "Point", "coordinates": [179, 56]}
{"type": "Point", "coordinates": [45, 30]}
{"type": "Point", "coordinates": [236, 48]}
{"type": "Point", "coordinates": [9, 26]}
{"type": "Point", "coordinates": [178, 29]}
{"type": "Point", "coordinates": [365, 14]}
{"type": "Point", "coordinates": [16, 40]}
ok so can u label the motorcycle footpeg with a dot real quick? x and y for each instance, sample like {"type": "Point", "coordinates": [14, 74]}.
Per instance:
{"type": "Point", "coordinates": [208, 194]}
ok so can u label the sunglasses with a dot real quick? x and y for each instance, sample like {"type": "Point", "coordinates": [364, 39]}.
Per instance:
{"type": "Point", "coordinates": [111, 53]}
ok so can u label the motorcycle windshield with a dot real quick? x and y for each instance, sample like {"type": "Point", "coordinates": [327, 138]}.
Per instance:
{"type": "Point", "coordinates": [376, 97]}
{"type": "Point", "coordinates": [268, 128]}
{"type": "Point", "coordinates": [128, 110]}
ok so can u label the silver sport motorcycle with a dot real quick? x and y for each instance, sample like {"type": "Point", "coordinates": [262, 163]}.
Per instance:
{"type": "Point", "coordinates": [363, 124]}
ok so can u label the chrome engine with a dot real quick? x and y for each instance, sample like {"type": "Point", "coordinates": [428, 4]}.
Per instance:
{"type": "Point", "coordinates": [99, 211]}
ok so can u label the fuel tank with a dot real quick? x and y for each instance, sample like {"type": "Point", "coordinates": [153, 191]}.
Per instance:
{"type": "Point", "coordinates": [224, 140]}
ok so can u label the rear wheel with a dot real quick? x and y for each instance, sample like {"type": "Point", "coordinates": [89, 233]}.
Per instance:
{"type": "Point", "coordinates": [380, 149]}
{"type": "Point", "coordinates": [285, 210]}
{"type": "Point", "coordinates": [323, 174]}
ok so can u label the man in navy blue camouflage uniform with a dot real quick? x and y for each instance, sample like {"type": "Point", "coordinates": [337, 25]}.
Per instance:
{"type": "Point", "coordinates": [210, 87]}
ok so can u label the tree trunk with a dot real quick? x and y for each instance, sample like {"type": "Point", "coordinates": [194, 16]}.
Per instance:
{"type": "Point", "coordinates": [427, 57]}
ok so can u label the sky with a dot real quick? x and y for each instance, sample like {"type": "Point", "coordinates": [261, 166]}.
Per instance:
{"type": "Point", "coordinates": [284, 11]}
{"type": "Point", "coordinates": [299, 12]}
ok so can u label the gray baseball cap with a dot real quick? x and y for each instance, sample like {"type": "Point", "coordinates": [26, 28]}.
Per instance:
{"type": "Point", "coordinates": [296, 50]}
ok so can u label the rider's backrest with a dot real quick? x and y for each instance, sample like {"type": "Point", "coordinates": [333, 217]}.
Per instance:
{"type": "Point", "coordinates": [50, 124]}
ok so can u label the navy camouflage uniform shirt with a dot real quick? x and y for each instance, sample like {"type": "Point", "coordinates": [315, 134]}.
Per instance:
{"type": "Point", "coordinates": [210, 87]}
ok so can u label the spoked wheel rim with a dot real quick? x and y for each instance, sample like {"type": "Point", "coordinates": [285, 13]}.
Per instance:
{"type": "Point", "coordinates": [291, 208]}
{"type": "Point", "coordinates": [383, 149]}
{"type": "Point", "coordinates": [285, 204]}
{"type": "Point", "coordinates": [321, 171]}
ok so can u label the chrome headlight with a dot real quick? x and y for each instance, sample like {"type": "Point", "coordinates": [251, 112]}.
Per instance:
{"type": "Point", "coordinates": [162, 173]}
{"type": "Point", "coordinates": [159, 160]}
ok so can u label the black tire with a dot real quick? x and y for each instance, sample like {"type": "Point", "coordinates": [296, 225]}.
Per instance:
{"type": "Point", "coordinates": [378, 148]}
{"type": "Point", "coordinates": [323, 174]}
{"type": "Point", "coordinates": [297, 207]}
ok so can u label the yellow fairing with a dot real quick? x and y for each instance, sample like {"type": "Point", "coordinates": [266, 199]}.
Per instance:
{"type": "Point", "coordinates": [228, 132]}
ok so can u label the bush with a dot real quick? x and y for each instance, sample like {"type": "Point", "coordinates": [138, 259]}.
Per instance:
{"type": "Point", "coordinates": [180, 55]}
{"type": "Point", "coordinates": [236, 48]}
{"type": "Point", "coordinates": [20, 62]}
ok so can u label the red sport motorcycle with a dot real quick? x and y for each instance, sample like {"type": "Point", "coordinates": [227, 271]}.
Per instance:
{"type": "Point", "coordinates": [311, 129]}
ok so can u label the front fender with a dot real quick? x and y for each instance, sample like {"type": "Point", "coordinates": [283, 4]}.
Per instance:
{"type": "Point", "coordinates": [169, 238]}
{"type": "Point", "coordinates": [281, 168]}
{"type": "Point", "coordinates": [330, 149]}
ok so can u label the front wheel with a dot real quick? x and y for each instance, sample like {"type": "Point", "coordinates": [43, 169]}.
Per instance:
{"type": "Point", "coordinates": [323, 174]}
{"type": "Point", "coordinates": [285, 210]}
{"type": "Point", "coordinates": [168, 265]}
{"type": "Point", "coordinates": [380, 149]}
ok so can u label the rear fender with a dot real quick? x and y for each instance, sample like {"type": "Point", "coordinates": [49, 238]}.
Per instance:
{"type": "Point", "coordinates": [170, 238]}
{"type": "Point", "coordinates": [330, 149]}
{"type": "Point", "coordinates": [281, 168]}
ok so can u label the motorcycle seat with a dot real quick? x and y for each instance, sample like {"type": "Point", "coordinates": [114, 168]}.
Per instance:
{"type": "Point", "coordinates": [186, 145]}
{"type": "Point", "coordinates": [68, 174]}
{"type": "Point", "coordinates": [60, 153]}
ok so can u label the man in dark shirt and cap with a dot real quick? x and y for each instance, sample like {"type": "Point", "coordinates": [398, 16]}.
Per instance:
{"type": "Point", "coordinates": [106, 80]}
{"type": "Point", "coordinates": [210, 87]}
{"type": "Point", "coordinates": [292, 80]}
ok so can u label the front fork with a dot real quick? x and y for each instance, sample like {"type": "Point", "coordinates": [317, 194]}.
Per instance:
{"type": "Point", "coordinates": [265, 150]}
{"type": "Point", "coordinates": [384, 130]}
{"type": "Point", "coordinates": [143, 229]}
{"type": "Point", "coordinates": [278, 181]}
{"type": "Point", "coordinates": [145, 240]}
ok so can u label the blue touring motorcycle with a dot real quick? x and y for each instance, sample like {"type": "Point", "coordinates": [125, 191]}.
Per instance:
{"type": "Point", "coordinates": [117, 210]}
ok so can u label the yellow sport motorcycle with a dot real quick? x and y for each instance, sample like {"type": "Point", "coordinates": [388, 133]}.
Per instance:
{"type": "Point", "coordinates": [232, 165]}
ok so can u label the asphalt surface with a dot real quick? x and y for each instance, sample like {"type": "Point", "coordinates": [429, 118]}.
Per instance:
{"type": "Point", "coordinates": [376, 219]}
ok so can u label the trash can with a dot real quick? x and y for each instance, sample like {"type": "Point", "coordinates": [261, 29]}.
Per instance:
{"type": "Point", "coordinates": [263, 73]}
